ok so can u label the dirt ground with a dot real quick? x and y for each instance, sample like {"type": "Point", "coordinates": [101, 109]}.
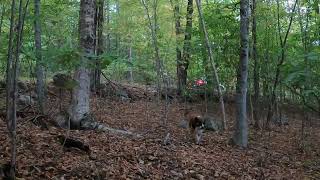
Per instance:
{"type": "Point", "coordinates": [276, 154]}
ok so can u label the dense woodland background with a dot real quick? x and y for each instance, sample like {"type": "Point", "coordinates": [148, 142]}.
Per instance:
{"type": "Point", "coordinates": [101, 89]}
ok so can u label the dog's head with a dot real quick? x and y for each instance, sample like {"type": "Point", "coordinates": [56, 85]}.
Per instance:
{"type": "Point", "coordinates": [196, 122]}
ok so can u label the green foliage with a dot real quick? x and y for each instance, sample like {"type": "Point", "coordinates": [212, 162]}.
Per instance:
{"type": "Point", "coordinates": [128, 29]}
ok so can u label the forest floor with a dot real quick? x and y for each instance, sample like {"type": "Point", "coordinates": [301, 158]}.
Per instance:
{"type": "Point", "coordinates": [276, 154]}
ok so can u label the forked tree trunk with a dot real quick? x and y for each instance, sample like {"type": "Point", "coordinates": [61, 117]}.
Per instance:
{"type": "Point", "coordinates": [240, 136]}
{"type": "Point", "coordinates": [39, 64]}
{"type": "Point", "coordinates": [80, 95]}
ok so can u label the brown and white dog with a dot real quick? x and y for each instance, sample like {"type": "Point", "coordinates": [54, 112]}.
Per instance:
{"type": "Point", "coordinates": [196, 128]}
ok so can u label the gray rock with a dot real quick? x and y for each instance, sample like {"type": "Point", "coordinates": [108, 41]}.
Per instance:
{"type": "Point", "coordinates": [22, 86]}
{"type": "Point", "coordinates": [25, 100]}
{"type": "Point", "coordinates": [183, 124]}
{"type": "Point", "coordinates": [212, 124]}
{"type": "Point", "coordinates": [280, 120]}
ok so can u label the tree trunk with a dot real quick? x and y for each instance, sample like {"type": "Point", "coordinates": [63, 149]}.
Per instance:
{"type": "Point", "coordinates": [212, 64]}
{"type": "Point", "coordinates": [99, 21]}
{"type": "Point", "coordinates": [11, 114]}
{"type": "Point", "coordinates": [178, 32]}
{"type": "Point", "coordinates": [108, 41]}
{"type": "Point", "coordinates": [184, 64]}
{"type": "Point", "coordinates": [117, 36]}
{"type": "Point", "coordinates": [283, 44]}
{"type": "Point", "coordinates": [130, 61]}
{"type": "Point", "coordinates": [1, 21]}
{"type": "Point", "coordinates": [240, 136]}
{"type": "Point", "coordinates": [255, 68]}
{"type": "Point", "coordinates": [39, 67]}
{"type": "Point", "coordinates": [80, 95]}
{"type": "Point", "coordinates": [12, 74]}
{"type": "Point", "coordinates": [158, 61]}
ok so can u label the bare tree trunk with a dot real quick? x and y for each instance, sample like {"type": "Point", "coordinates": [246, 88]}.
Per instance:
{"type": "Point", "coordinates": [152, 28]}
{"type": "Point", "coordinates": [117, 36]}
{"type": "Point", "coordinates": [1, 20]}
{"type": "Point", "coordinates": [80, 95]}
{"type": "Point", "coordinates": [39, 64]}
{"type": "Point", "coordinates": [12, 73]}
{"type": "Point", "coordinates": [92, 74]}
{"type": "Point", "coordinates": [255, 68]}
{"type": "Point", "coordinates": [100, 39]}
{"type": "Point", "coordinates": [11, 114]}
{"type": "Point", "coordinates": [213, 66]}
{"type": "Point", "coordinates": [130, 61]}
{"type": "Point", "coordinates": [283, 44]}
{"type": "Point", "coordinates": [177, 17]}
{"type": "Point", "coordinates": [108, 41]}
{"type": "Point", "coordinates": [186, 55]}
{"type": "Point", "coordinates": [206, 64]}
{"type": "Point", "coordinates": [240, 136]}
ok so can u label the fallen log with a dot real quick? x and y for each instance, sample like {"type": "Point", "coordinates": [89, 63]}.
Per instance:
{"type": "Point", "coordinates": [73, 143]}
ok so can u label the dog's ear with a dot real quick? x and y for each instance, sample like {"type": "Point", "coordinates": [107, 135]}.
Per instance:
{"type": "Point", "coordinates": [198, 119]}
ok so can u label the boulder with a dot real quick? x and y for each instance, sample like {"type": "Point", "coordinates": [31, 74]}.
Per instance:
{"type": "Point", "coordinates": [212, 124]}
{"type": "Point", "coordinates": [22, 87]}
{"type": "Point", "coordinates": [25, 100]}
{"type": "Point", "coordinates": [183, 124]}
{"type": "Point", "coordinates": [280, 120]}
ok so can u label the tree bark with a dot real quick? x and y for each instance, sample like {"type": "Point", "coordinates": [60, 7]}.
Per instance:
{"type": "Point", "coordinates": [80, 95]}
{"type": "Point", "coordinates": [206, 64]}
{"type": "Point", "coordinates": [1, 20]}
{"type": "Point", "coordinates": [240, 136]}
{"type": "Point", "coordinates": [108, 41]}
{"type": "Point", "coordinates": [212, 64]}
{"type": "Point", "coordinates": [39, 64]}
{"type": "Point", "coordinates": [177, 17]}
{"type": "Point", "coordinates": [99, 21]}
{"type": "Point", "coordinates": [130, 61]}
{"type": "Point", "coordinates": [12, 74]}
{"type": "Point", "coordinates": [186, 55]}
{"type": "Point", "coordinates": [11, 114]}
{"type": "Point", "coordinates": [256, 68]}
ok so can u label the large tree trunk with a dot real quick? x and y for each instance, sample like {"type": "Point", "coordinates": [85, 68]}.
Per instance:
{"type": "Point", "coordinates": [39, 66]}
{"type": "Point", "coordinates": [240, 136]}
{"type": "Point", "coordinates": [80, 95]}
{"type": "Point", "coordinates": [256, 67]}
{"type": "Point", "coordinates": [184, 64]}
